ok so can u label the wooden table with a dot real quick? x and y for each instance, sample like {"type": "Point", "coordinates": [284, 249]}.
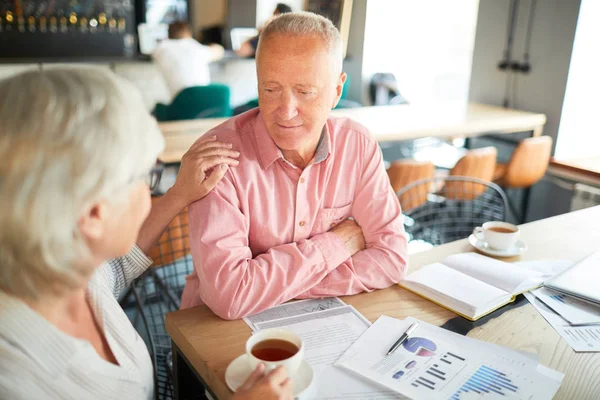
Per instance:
{"type": "Point", "coordinates": [386, 123]}
{"type": "Point", "coordinates": [209, 343]}
{"type": "Point", "coordinates": [584, 170]}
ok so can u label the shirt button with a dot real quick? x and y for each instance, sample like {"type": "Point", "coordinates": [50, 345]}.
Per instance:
{"type": "Point", "coordinates": [301, 223]}
{"type": "Point", "coordinates": [301, 180]}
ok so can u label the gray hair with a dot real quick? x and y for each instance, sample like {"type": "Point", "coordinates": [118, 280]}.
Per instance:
{"type": "Point", "coordinates": [69, 138]}
{"type": "Point", "coordinates": [309, 24]}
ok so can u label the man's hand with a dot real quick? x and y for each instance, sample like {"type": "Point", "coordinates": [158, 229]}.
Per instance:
{"type": "Point", "coordinates": [275, 385]}
{"type": "Point", "coordinates": [351, 234]}
{"type": "Point", "coordinates": [206, 153]}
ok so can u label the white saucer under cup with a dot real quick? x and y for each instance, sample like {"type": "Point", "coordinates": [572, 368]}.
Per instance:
{"type": "Point", "coordinates": [517, 249]}
{"type": "Point", "coordinates": [239, 370]}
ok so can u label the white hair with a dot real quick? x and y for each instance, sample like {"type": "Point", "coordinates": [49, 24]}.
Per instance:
{"type": "Point", "coordinates": [307, 24]}
{"type": "Point", "coordinates": [69, 137]}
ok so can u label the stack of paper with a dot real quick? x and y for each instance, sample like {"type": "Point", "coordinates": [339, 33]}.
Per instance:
{"type": "Point", "coordinates": [576, 321]}
{"type": "Point", "coordinates": [437, 364]}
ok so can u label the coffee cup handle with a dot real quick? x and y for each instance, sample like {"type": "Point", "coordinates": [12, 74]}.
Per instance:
{"type": "Point", "coordinates": [478, 233]}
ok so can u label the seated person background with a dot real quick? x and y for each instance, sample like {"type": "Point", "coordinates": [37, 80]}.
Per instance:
{"type": "Point", "coordinates": [77, 145]}
{"type": "Point", "coordinates": [183, 61]}
{"type": "Point", "coordinates": [248, 48]}
{"type": "Point", "coordinates": [277, 226]}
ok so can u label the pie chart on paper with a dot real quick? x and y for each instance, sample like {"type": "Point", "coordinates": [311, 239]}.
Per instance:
{"type": "Point", "coordinates": [420, 346]}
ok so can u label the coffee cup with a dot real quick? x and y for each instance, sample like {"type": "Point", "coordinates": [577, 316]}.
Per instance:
{"type": "Point", "coordinates": [498, 235]}
{"type": "Point", "coordinates": [275, 347]}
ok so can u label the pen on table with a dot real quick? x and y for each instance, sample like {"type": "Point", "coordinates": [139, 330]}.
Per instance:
{"type": "Point", "coordinates": [404, 336]}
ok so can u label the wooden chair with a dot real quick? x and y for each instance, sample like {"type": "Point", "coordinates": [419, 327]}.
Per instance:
{"type": "Point", "coordinates": [404, 172]}
{"type": "Point", "coordinates": [158, 291]}
{"type": "Point", "coordinates": [452, 214]}
{"type": "Point", "coordinates": [478, 164]}
{"type": "Point", "coordinates": [526, 167]}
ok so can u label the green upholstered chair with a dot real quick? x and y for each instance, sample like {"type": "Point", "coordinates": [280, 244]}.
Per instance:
{"type": "Point", "coordinates": [211, 101]}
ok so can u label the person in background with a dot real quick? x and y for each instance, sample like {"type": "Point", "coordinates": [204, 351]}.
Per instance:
{"type": "Point", "coordinates": [248, 48]}
{"type": "Point", "coordinates": [310, 211]}
{"type": "Point", "coordinates": [183, 61]}
{"type": "Point", "coordinates": [78, 145]}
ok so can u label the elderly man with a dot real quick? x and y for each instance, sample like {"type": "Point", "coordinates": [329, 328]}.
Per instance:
{"type": "Point", "coordinates": [309, 211]}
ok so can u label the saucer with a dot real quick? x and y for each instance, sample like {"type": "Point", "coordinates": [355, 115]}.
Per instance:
{"type": "Point", "coordinates": [239, 370]}
{"type": "Point", "coordinates": [518, 248]}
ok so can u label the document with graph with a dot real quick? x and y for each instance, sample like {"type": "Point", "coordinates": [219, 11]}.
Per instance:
{"type": "Point", "coordinates": [437, 364]}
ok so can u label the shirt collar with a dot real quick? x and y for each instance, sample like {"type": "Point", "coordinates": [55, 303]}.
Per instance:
{"type": "Point", "coordinates": [269, 152]}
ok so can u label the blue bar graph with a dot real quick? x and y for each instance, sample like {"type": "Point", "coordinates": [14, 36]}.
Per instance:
{"type": "Point", "coordinates": [487, 381]}
{"type": "Point", "coordinates": [558, 297]}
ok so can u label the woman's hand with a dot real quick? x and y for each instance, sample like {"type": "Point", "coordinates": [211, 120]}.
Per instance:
{"type": "Point", "coordinates": [275, 385]}
{"type": "Point", "coordinates": [206, 154]}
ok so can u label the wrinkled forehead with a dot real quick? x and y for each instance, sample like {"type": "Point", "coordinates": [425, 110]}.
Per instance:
{"type": "Point", "coordinates": [305, 49]}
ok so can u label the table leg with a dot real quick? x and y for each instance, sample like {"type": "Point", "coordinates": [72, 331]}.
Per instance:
{"type": "Point", "coordinates": [187, 384]}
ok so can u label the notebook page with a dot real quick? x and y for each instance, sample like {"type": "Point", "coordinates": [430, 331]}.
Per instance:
{"type": "Point", "coordinates": [506, 276]}
{"type": "Point", "coordinates": [455, 285]}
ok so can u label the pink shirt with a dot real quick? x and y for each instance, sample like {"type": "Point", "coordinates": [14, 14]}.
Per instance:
{"type": "Point", "coordinates": [260, 237]}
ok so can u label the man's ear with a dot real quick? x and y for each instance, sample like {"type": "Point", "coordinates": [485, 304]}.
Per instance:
{"type": "Point", "coordinates": [93, 222]}
{"type": "Point", "coordinates": [339, 87]}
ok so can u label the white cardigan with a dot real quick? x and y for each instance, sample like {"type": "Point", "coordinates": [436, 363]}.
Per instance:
{"type": "Point", "coordinates": [38, 361]}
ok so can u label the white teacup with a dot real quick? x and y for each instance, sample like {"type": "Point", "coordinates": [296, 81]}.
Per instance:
{"type": "Point", "coordinates": [498, 235]}
{"type": "Point", "coordinates": [291, 363]}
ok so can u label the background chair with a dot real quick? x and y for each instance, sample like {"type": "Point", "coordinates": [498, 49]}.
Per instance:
{"type": "Point", "coordinates": [526, 167]}
{"type": "Point", "coordinates": [157, 292]}
{"type": "Point", "coordinates": [477, 164]}
{"type": "Point", "coordinates": [211, 101]}
{"type": "Point", "coordinates": [452, 214]}
{"type": "Point", "coordinates": [404, 172]}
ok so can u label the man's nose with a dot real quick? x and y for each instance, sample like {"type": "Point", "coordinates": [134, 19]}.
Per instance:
{"type": "Point", "coordinates": [288, 108]}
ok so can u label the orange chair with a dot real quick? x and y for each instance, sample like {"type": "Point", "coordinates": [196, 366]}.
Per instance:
{"type": "Point", "coordinates": [477, 163]}
{"type": "Point", "coordinates": [527, 165]}
{"type": "Point", "coordinates": [174, 243]}
{"type": "Point", "coordinates": [405, 172]}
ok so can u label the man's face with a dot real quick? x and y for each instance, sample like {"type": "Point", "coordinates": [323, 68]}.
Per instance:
{"type": "Point", "coordinates": [297, 86]}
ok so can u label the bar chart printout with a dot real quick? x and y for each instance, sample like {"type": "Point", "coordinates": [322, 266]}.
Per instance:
{"type": "Point", "coordinates": [434, 364]}
{"type": "Point", "coordinates": [486, 382]}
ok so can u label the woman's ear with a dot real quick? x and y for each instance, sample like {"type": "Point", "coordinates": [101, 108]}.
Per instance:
{"type": "Point", "coordinates": [92, 223]}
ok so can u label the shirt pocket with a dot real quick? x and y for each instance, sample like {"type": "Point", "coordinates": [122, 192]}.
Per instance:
{"type": "Point", "coordinates": [330, 217]}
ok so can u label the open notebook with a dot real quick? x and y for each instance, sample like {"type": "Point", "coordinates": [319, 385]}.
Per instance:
{"type": "Point", "coordinates": [472, 285]}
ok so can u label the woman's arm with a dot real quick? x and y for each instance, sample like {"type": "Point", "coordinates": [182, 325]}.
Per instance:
{"type": "Point", "coordinates": [192, 184]}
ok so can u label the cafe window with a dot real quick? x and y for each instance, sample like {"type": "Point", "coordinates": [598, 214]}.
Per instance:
{"type": "Point", "coordinates": [426, 44]}
{"type": "Point", "coordinates": [578, 133]}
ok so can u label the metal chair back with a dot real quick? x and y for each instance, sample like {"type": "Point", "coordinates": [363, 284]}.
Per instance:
{"type": "Point", "coordinates": [454, 206]}
{"type": "Point", "coordinates": [158, 291]}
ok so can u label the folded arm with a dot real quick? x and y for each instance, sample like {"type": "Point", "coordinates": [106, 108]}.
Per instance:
{"type": "Point", "coordinates": [377, 211]}
{"type": "Point", "coordinates": [233, 282]}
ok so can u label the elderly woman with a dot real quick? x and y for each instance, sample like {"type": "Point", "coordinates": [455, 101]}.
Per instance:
{"type": "Point", "coordinates": [76, 146]}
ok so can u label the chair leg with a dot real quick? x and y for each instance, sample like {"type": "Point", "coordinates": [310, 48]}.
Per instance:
{"type": "Point", "coordinates": [518, 217]}
{"type": "Point", "coordinates": [525, 204]}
